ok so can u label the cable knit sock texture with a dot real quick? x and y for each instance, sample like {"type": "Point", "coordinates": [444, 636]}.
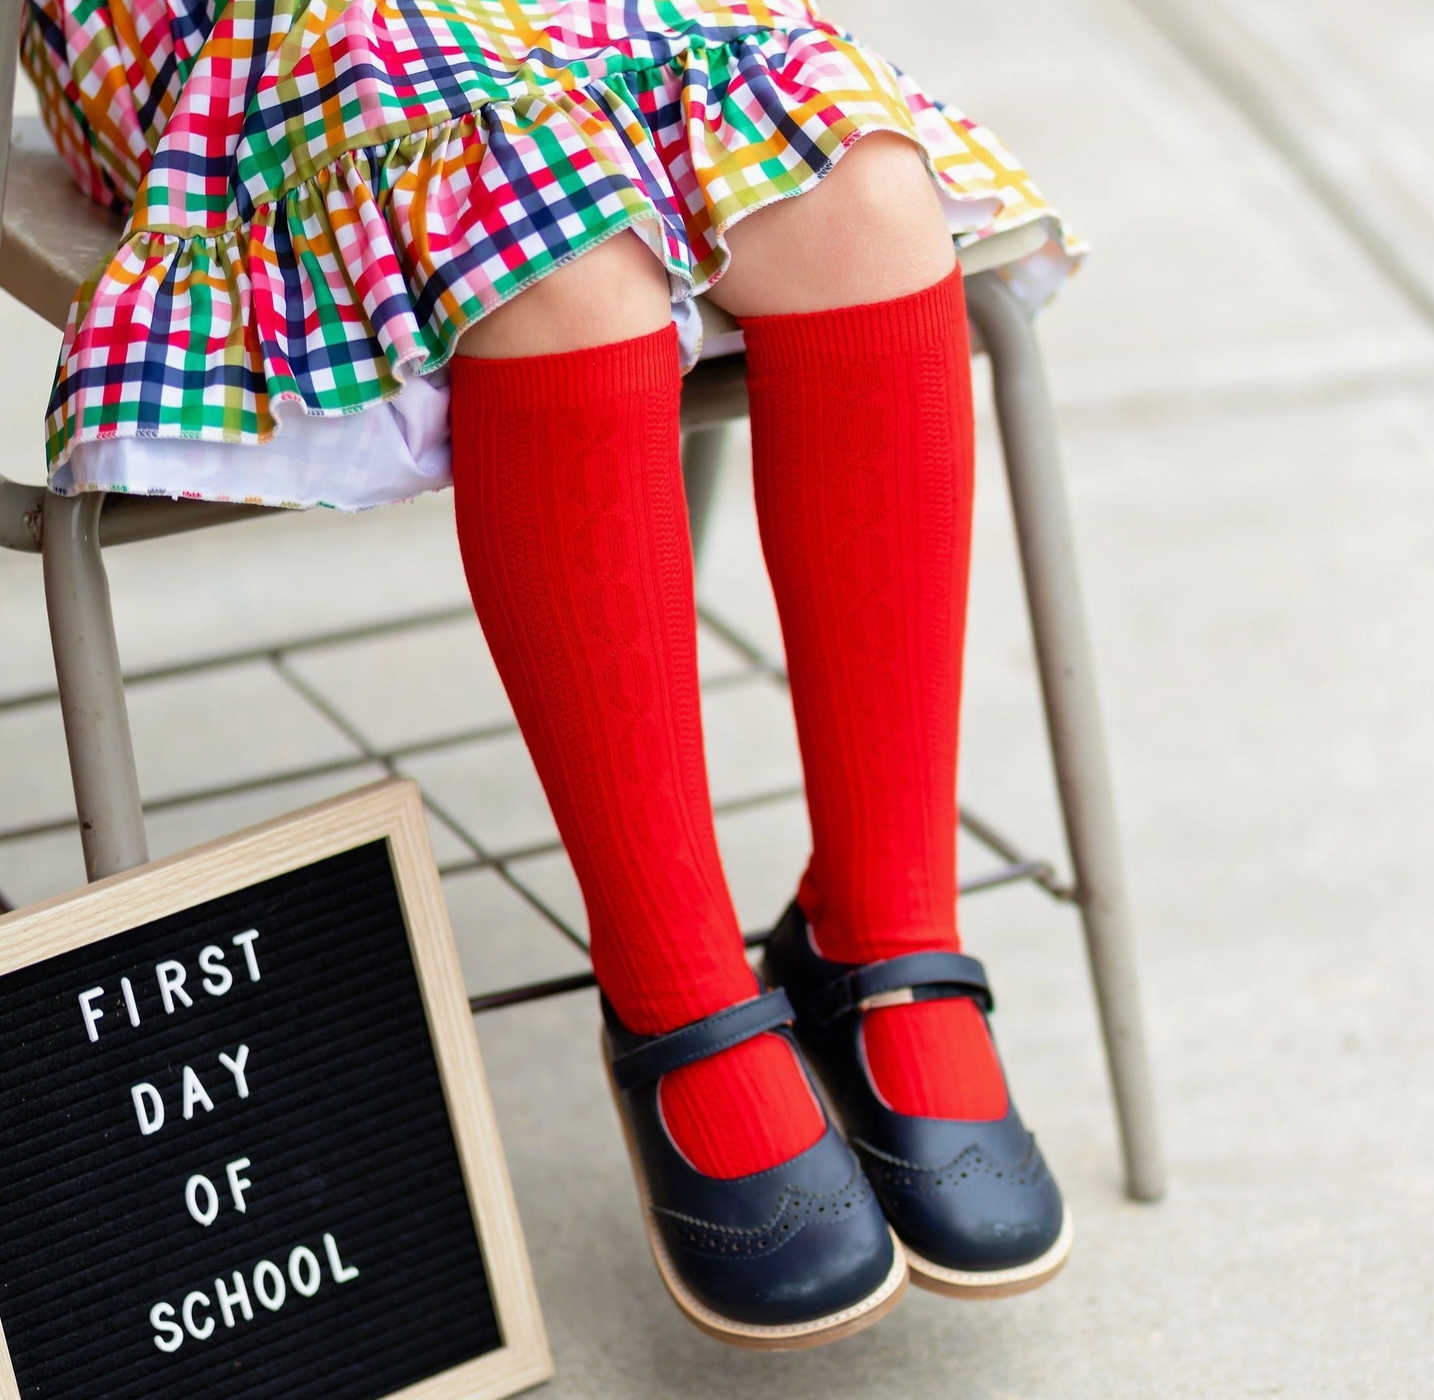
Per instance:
{"type": "Point", "coordinates": [573, 530]}
{"type": "Point", "coordinates": [862, 455]}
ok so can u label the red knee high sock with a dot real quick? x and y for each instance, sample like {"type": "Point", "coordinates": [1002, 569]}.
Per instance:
{"type": "Point", "coordinates": [863, 455]}
{"type": "Point", "coordinates": [573, 529]}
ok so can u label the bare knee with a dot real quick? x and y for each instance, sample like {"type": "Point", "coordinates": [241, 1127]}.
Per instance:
{"type": "Point", "coordinates": [872, 230]}
{"type": "Point", "coordinates": [618, 291]}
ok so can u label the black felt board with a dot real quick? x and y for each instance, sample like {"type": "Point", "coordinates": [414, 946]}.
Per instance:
{"type": "Point", "coordinates": [345, 1126]}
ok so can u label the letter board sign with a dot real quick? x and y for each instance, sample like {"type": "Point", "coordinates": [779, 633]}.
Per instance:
{"type": "Point", "coordinates": [246, 1148]}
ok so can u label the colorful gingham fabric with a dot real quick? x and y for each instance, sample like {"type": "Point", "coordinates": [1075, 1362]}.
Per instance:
{"type": "Point", "coordinates": [323, 196]}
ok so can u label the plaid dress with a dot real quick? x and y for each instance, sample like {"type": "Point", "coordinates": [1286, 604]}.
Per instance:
{"type": "Point", "coordinates": [321, 197]}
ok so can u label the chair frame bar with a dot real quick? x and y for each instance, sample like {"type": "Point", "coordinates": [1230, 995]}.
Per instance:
{"type": "Point", "coordinates": [10, 12]}
{"type": "Point", "coordinates": [91, 685]}
{"type": "Point", "coordinates": [1046, 539]}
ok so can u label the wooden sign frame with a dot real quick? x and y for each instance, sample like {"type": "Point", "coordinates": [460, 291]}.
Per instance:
{"type": "Point", "coordinates": [391, 811]}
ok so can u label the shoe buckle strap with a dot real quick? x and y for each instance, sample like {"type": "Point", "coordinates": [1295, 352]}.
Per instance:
{"type": "Point", "coordinates": [664, 1053]}
{"type": "Point", "coordinates": [896, 982]}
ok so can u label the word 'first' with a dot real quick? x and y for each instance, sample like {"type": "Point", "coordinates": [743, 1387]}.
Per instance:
{"type": "Point", "coordinates": [172, 979]}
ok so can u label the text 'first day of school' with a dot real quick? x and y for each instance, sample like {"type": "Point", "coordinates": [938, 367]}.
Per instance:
{"type": "Point", "coordinates": [223, 1072]}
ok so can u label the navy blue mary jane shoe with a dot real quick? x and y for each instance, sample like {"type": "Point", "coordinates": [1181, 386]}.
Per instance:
{"type": "Point", "coordinates": [776, 1261]}
{"type": "Point", "coordinates": [972, 1202]}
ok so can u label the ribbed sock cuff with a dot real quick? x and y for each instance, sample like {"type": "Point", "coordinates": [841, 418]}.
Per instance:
{"type": "Point", "coordinates": [856, 333]}
{"type": "Point", "coordinates": [572, 378]}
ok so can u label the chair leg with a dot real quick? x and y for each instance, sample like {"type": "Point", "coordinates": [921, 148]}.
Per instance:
{"type": "Point", "coordinates": [1043, 527]}
{"type": "Point", "coordinates": [92, 699]}
{"type": "Point", "coordinates": [702, 450]}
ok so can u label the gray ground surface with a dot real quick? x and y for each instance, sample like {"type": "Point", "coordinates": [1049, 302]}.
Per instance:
{"type": "Point", "coordinates": [1244, 391]}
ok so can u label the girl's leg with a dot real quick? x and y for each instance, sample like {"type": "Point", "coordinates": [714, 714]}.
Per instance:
{"type": "Point", "coordinates": [573, 530]}
{"type": "Point", "coordinates": [859, 373]}
{"type": "Point", "coordinates": [871, 231]}
{"type": "Point", "coordinates": [616, 292]}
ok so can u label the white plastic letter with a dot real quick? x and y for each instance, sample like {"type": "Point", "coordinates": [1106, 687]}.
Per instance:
{"type": "Point", "coordinates": [342, 1272]}
{"type": "Point", "coordinates": [195, 1330]}
{"type": "Point", "coordinates": [272, 1297]}
{"type": "Point", "coordinates": [92, 1014]}
{"type": "Point", "coordinates": [129, 1001]}
{"type": "Point", "coordinates": [227, 1299]}
{"type": "Point", "coordinates": [245, 941]}
{"type": "Point", "coordinates": [220, 979]}
{"type": "Point", "coordinates": [149, 1107]}
{"type": "Point", "coordinates": [171, 984]}
{"type": "Point", "coordinates": [203, 1214]}
{"type": "Point", "coordinates": [238, 1184]}
{"type": "Point", "coordinates": [304, 1271]}
{"type": "Point", "coordinates": [194, 1093]}
{"type": "Point", "coordinates": [161, 1318]}
{"type": "Point", "coordinates": [236, 1068]}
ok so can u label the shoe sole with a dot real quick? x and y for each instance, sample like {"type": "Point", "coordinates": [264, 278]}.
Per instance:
{"type": "Point", "coordinates": [794, 1336]}
{"type": "Point", "coordinates": [994, 1283]}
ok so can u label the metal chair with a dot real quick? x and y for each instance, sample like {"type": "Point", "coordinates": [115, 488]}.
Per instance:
{"type": "Point", "coordinates": [53, 236]}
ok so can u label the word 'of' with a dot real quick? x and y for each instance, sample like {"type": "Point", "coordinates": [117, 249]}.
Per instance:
{"type": "Point", "coordinates": [200, 1185]}
{"type": "Point", "coordinates": [232, 1298]}
{"type": "Point", "coordinates": [149, 1103]}
{"type": "Point", "coordinates": [171, 977]}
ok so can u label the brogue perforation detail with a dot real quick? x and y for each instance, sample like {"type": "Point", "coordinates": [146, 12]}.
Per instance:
{"type": "Point", "coordinates": [970, 1166]}
{"type": "Point", "coordinates": [795, 1211]}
